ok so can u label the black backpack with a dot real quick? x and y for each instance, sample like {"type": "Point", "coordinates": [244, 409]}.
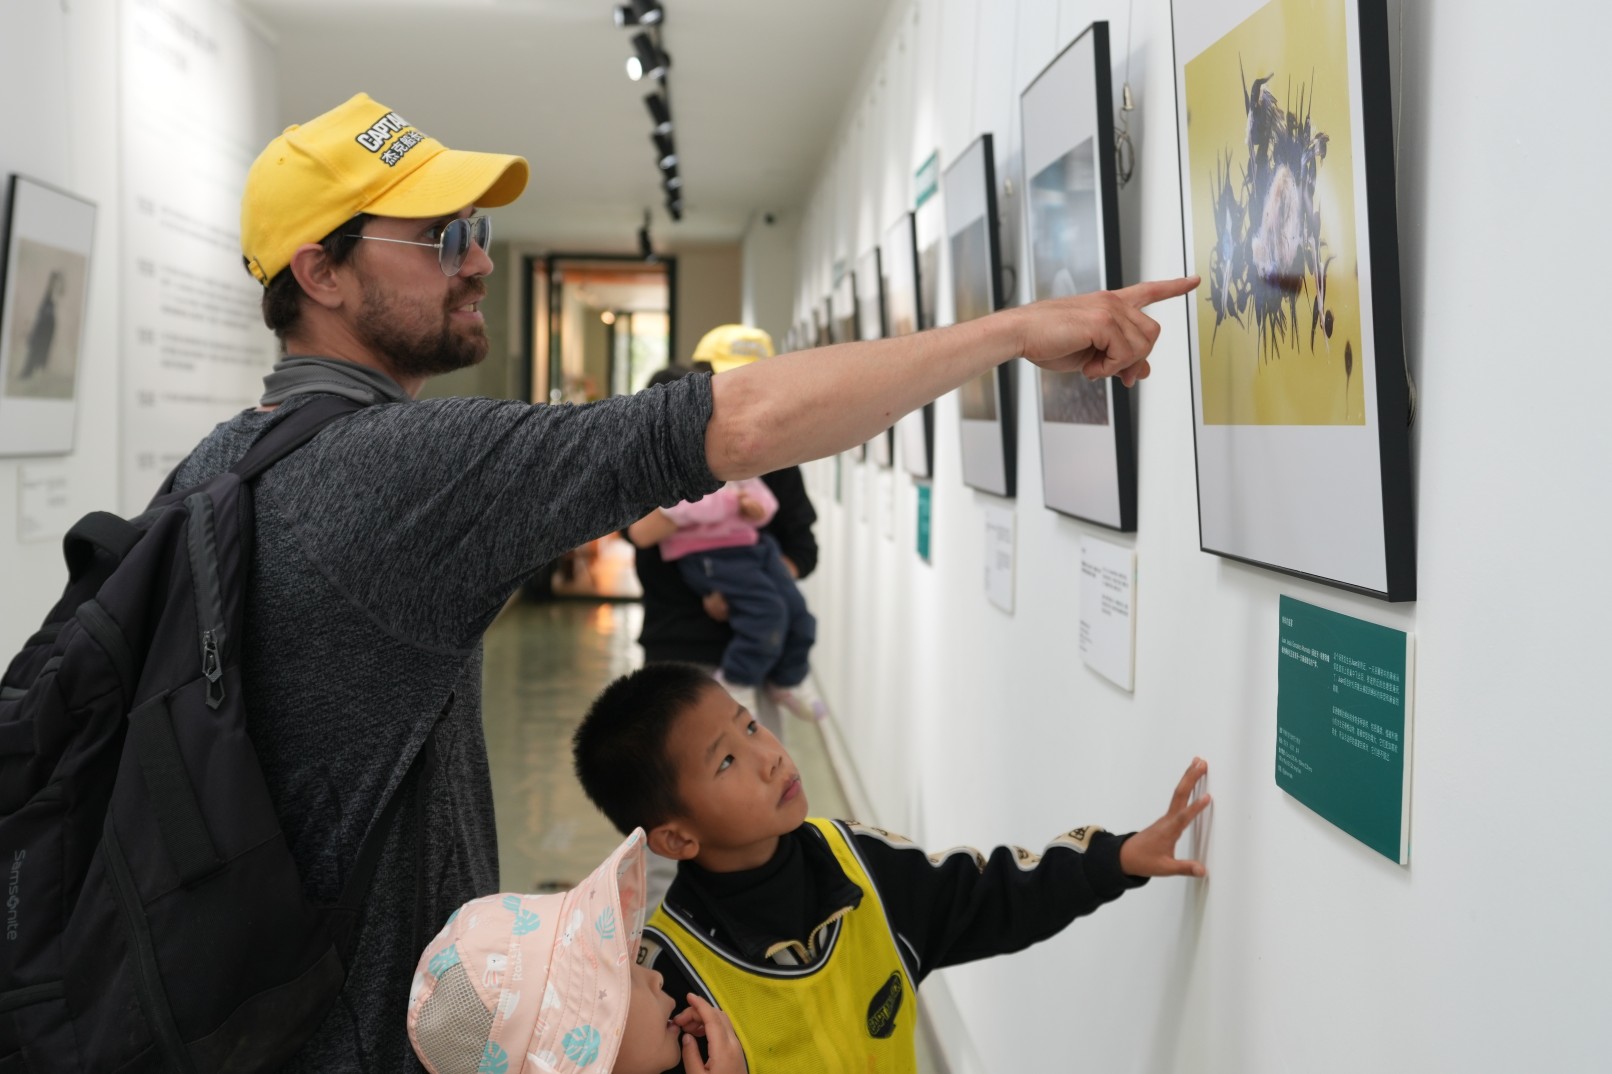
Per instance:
{"type": "Point", "coordinates": [154, 918]}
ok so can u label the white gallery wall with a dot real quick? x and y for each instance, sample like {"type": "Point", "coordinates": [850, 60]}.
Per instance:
{"type": "Point", "coordinates": [58, 125]}
{"type": "Point", "coordinates": [149, 108]}
{"type": "Point", "coordinates": [1304, 951]}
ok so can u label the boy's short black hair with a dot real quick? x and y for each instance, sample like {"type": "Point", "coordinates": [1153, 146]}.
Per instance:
{"type": "Point", "coordinates": [620, 748]}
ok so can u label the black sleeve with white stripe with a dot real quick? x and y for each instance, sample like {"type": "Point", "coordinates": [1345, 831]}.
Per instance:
{"type": "Point", "coordinates": [959, 905]}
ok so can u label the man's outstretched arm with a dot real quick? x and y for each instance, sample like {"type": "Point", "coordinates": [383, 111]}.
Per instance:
{"type": "Point", "coordinates": [797, 407]}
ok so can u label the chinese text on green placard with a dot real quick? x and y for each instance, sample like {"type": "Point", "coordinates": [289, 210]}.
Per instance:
{"type": "Point", "coordinates": [1342, 722]}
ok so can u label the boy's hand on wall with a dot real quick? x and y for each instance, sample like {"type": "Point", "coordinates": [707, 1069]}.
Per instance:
{"type": "Point", "coordinates": [1151, 851]}
{"type": "Point", "coordinates": [701, 1019]}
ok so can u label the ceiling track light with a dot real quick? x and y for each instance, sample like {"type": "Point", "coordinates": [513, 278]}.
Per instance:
{"type": "Point", "coordinates": [660, 112]}
{"type": "Point", "coordinates": [650, 60]}
{"type": "Point", "coordinates": [665, 151]}
{"type": "Point", "coordinates": [647, 59]}
{"type": "Point", "coordinates": [639, 13]}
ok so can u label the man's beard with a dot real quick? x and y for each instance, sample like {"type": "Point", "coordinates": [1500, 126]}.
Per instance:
{"type": "Point", "coordinates": [413, 342]}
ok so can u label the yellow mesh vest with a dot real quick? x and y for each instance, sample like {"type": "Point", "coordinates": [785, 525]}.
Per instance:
{"type": "Point", "coordinates": [855, 1010]}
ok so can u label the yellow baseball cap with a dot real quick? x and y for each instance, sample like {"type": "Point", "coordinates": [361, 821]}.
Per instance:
{"type": "Point", "coordinates": [359, 157]}
{"type": "Point", "coordinates": [730, 346]}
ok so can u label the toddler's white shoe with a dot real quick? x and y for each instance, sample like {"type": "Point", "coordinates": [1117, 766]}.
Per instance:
{"type": "Point", "coordinates": [744, 695]}
{"type": "Point", "coordinates": [801, 699]}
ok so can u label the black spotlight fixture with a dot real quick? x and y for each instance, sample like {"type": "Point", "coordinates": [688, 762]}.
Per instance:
{"type": "Point", "coordinates": [647, 60]}
{"type": "Point", "coordinates": [639, 13]}
{"type": "Point", "coordinates": [660, 112]}
{"type": "Point", "coordinates": [665, 152]}
{"type": "Point", "coordinates": [646, 248]}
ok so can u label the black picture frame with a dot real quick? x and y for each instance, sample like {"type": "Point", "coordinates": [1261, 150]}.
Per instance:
{"type": "Point", "coordinates": [1301, 397]}
{"type": "Point", "coordinates": [987, 405]}
{"type": "Point", "coordinates": [868, 285]}
{"type": "Point", "coordinates": [1087, 428]}
{"type": "Point", "coordinates": [903, 316]}
{"type": "Point", "coordinates": [47, 240]}
{"type": "Point", "coordinates": [843, 319]}
{"type": "Point", "coordinates": [844, 327]}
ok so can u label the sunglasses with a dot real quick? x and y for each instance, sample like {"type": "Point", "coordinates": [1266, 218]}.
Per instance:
{"type": "Point", "coordinates": [454, 245]}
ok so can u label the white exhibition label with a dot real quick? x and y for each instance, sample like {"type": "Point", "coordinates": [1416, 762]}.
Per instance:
{"type": "Point", "coordinates": [44, 503]}
{"type": "Point", "coordinates": [1107, 622]}
{"type": "Point", "coordinates": [999, 557]}
{"type": "Point", "coordinates": [886, 483]}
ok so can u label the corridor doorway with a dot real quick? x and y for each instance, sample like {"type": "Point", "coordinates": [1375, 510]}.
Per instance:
{"type": "Point", "coordinates": [596, 324]}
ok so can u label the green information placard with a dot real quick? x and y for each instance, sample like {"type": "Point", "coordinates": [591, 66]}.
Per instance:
{"type": "Point", "coordinates": [923, 521]}
{"type": "Point", "coordinates": [926, 180]}
{"type": "Point", "coordinates": [1343, 723]}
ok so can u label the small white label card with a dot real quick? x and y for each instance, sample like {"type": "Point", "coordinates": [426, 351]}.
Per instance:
{"type": "Point", "coordinates": [886, 482]}
{"type": "Point", "coordinates": [44, 504]}
{"type": "Point", "coordinates": [999, 523]}
{"type": "Point", "coordinates": [1107, 622]}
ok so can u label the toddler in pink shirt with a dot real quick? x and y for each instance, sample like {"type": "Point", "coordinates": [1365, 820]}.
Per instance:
{"type": "Point", "coordinates": [719, 547]}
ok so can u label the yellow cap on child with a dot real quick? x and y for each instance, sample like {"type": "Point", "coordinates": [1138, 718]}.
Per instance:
{"type": "Point", "coordinates": [730, 346]}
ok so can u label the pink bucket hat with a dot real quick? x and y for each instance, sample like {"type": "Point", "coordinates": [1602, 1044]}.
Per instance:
{"type": "Point", "coordinates": [533, 984]}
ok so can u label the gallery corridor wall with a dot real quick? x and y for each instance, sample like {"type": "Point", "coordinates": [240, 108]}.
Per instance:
{"type": "Point", "coordinates": [1304, 951]}
{"type": "Point", "coordinates": [58, 124]}
{"type": "Point", "coordinates": [152, 111]}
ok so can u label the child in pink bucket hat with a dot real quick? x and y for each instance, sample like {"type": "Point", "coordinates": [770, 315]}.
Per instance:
{"type": "Point", "coordinates": [550, 984]}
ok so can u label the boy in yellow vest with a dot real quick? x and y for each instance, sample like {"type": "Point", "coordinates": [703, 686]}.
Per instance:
{"type": "Point", "coordinates": [811, 934]}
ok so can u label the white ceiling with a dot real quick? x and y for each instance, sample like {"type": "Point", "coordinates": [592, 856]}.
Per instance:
{"type": "Point", "coordinates": [758, 87]}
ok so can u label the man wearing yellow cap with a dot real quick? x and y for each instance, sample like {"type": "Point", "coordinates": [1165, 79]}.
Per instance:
{"type": "Point", "coordinates": [386, 546]}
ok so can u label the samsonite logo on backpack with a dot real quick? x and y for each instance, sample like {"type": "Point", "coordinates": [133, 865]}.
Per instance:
{"type": "Point", "coordinates": [13, 899]}
{"type": "Point", "coordinates": [154, 916]}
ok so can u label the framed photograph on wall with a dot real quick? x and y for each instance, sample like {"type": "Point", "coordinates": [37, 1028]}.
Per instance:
{"type": "Point", "coordinates": [43, 284]}
{"type": "Point", "coordinates": [869, 287]}
{"type": "Point", "coordinates": [987, 404]}
{"type": "Point", "coordinates": [842, 327]}
{"type": "Point", "coordinates": [1088, 448]}
{"type": "Point", "coordinates": [929, 235]}
{"type": "Point", "coordinates": [898, 257]}
{"type": "Point", "coordinates": [842, 321]}
{"type": "Point", "coordinates": [1301, 405]}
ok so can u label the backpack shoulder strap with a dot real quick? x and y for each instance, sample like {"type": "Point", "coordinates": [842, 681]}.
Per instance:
{"type": "Point", "coordinates": [289, 433]}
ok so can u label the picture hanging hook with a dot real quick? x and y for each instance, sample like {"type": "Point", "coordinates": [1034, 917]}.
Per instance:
{"type": "Point", "coordinates": [1124, 149]}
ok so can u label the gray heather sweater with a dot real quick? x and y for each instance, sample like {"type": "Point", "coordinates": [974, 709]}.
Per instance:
{"type": "Point", "coordinates": [384, 550]}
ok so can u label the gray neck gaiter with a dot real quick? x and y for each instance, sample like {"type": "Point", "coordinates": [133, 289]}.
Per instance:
{"type": "Point", "coordinates": [309, 374]}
